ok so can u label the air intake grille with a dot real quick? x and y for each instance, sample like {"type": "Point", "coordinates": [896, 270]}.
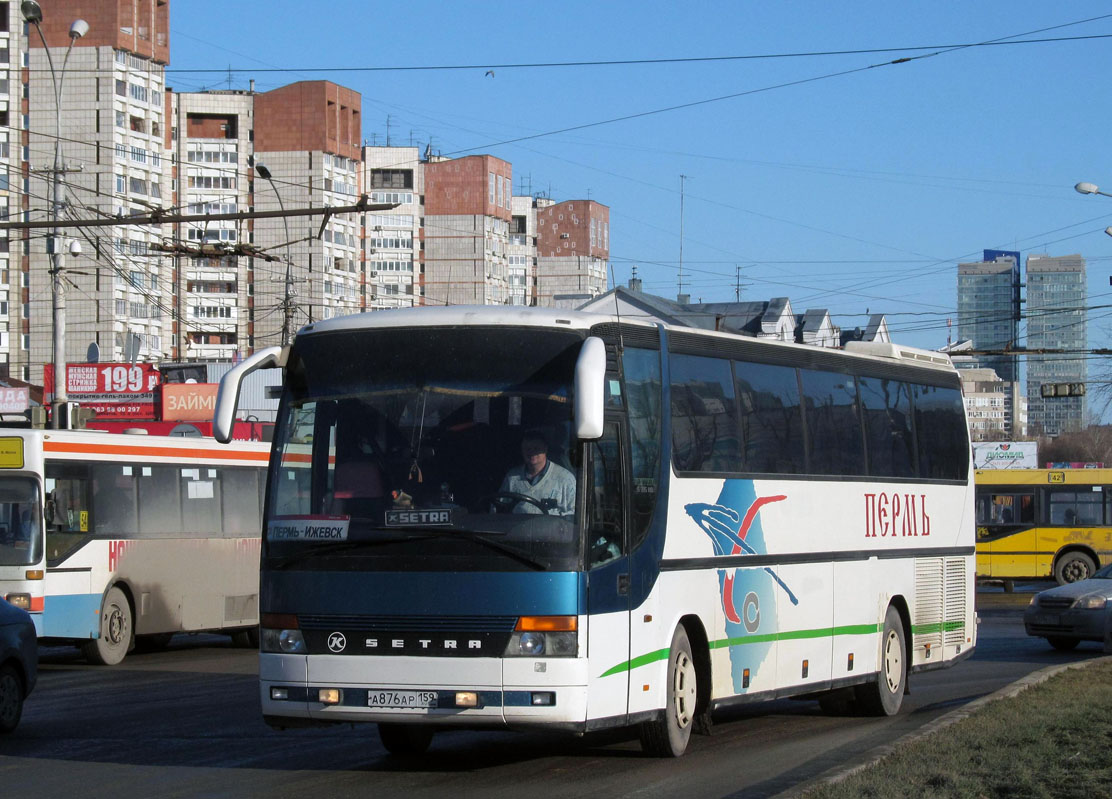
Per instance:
{"type": "Point", "coordinates": [431, 624]}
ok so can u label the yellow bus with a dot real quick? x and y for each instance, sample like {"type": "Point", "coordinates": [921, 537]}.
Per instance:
{"type": "Point", "coordinates": [1036, 523]}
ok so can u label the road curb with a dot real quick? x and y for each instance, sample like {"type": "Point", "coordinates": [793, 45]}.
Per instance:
{"type": "Point", "coordinates": [840, 773]}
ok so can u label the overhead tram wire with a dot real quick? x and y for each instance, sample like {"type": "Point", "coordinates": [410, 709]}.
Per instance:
{"type": "Point", "coordinates": [662, 61]}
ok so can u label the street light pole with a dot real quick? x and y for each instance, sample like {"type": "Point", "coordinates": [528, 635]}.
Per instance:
{"type": "Point", "coordinates": [32, 13]}
{"type": "Point", "coordinates": [287, 306]}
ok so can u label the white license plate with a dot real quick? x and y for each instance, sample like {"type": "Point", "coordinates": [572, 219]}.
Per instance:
{"type": "Point", "coordinates": [416, 699]}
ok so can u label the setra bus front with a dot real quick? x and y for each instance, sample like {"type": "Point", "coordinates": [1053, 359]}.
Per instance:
{"type": "Point", "coordinates": [425, 546]}
{"type": "Point", "coordinates": [22, 554]}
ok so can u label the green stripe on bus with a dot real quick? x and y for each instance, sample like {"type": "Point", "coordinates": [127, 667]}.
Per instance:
{"type": "Point", "coordinates": [640, 660]}
{"type": "Point", "coordinates": [937, 627]}
{"type": "Point", "coordinates": [822, 632]}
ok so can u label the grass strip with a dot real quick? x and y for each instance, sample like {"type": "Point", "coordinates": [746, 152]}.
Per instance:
{"type": "Point", "coordinates": [1051, 741]}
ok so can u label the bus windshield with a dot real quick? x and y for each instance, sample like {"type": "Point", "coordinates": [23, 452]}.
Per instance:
{"type": "Point", "coordinates": [20, 522]}
{"type": "Point", "coordinates": [414, 449]}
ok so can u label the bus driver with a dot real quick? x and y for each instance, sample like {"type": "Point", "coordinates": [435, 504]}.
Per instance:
{"type": "Point", "coordinates": [550, 484]}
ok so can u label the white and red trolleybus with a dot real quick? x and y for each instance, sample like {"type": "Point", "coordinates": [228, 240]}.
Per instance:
{"type": "Point", "coordinates": [113, 540]}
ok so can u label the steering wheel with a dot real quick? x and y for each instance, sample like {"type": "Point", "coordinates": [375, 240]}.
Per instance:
{"type": "Point", "coordinates": [504, 501]}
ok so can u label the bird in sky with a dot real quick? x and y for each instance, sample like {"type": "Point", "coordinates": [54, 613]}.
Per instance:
{"type": "Point", "coordinates": [490, 72]}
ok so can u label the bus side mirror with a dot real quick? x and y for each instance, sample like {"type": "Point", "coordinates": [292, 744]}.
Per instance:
{"type": "Point", "coordinates": [227, 396]}
{"type": "Point", "coordinates": [590, 386]}
{"type": "Point", "coordinates": [48, 510]}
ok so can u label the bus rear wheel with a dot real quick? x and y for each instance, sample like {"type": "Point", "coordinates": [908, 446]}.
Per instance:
{"type": "Point", "coordinates": [668, 736]}
{"type": "Point", "coordinates": [405, 739]}
{"type": "Point", "coordinates": [1073, 566]}
{"type": "Point", "coordinates": [884, 696]}
{"type": "Point", "coordinates": [116, 632]}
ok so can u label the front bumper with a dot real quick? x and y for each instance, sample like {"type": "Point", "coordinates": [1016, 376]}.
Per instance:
{"type": "Point", "coordinates": [506, 689]}
{"type": "Point", "coordinates": [1085, 625]}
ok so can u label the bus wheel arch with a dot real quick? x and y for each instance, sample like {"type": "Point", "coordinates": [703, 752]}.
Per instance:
{"type": "Point", "coordinates": [883, 696]}
{"type": "Point", "coordinates": [700, 654]}
{"type": "Point", "coordinates": [116, 622]}
{"type": "Point", "coordinates": [686, 693]}
{"type": "Point", "coordinates": [1074, 563]}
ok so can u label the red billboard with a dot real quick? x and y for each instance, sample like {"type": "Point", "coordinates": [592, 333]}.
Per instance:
{"type": "Point", "coordinates": [111, 390]}
{"type": "Point", "coordinates": [188, 402]}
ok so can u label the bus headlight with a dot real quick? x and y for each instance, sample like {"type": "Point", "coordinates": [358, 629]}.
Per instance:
{"type": "Point", "coordinates": [279, 633]}
{"type": "Point", "coordinates": [536, 644]}
{"type": "Point", "coordinates": [544, 636]}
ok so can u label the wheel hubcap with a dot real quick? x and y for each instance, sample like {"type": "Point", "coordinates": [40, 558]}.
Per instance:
{"type": "Point", "coordinates": [683, 690]}
{"type": "Point", "coordinates": [115, 627]}
{"type": "Point", "coordinates": [893, 667]}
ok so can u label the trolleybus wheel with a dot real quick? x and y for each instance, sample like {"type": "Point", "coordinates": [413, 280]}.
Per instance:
{"type": "Point", "coordinates": [11, 698]}
{"type": "Point", "coordinates": [1073, 566]}
{"type": "Point", "coordinates": [668, 736]}
{"type": "Point", "coordinates": [884, 696]}
{"type": "Point", "coordinates": [115, 631]}
{"type": "Point", "coordinates": [405, 739]}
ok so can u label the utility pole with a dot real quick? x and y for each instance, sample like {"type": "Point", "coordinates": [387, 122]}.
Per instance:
{"type": "Point", "coordinates": [32, 14]}
{"type": "Point", "coordinates": [680, 275]}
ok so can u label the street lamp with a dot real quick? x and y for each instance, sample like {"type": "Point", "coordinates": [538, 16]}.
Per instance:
{"type": "Point", "coordinates": [32, 13]}
{"type": "Point", "coordinates": [1090, 188]}
{"type": "Point", "coordinates": [287, 309]}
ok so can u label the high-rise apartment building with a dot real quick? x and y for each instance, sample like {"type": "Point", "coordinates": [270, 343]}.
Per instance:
{"type": "Point", "coordinates": [212, 298]}
{"type": "Point", "coordinates": [1056, 320]}
{"type": "Point", "coordinates": [989, 311]}
{"type": "Point", "coordinates": [307, 135]}
{"type": "Point", "coordinates": [113, 137]}
{"type": "Point", "coordinates": [573, 249]}
{"type": "Point", "coordinates": [392, 239]}
{"type": "Point", "coordinates": [468, 204]}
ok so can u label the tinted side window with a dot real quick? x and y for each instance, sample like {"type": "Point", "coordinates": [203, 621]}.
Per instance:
{"type": "Point", "coordinates": [704, 422]}
{"type": "Point", "coordinates": [159, 503]}
{"type": "Point", "coordinates": [242, 502]}
{"type": "Point", "coordinates": [940, 432]}
{"type": "Point", "coordinates": [886, 406]}
{"type": "Point", "coordinates": [771, 418]}
{"type": "Point", "coordinates": [642, 387]}
{"type": "Point", "coordinates": [1076, 507]}
{"type": "Point", "coordinates": [833, 425]}
{"type": "Point", "coordinates": [200, 500]}
{"type": "Point", "coordinates": [114, 499]}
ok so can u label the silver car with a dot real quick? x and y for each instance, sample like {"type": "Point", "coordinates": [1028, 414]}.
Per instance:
{"type": "Point", "coordinates": [1072, 613]}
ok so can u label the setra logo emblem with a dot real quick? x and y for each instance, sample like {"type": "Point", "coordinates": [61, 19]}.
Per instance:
{"type": "Point", "coordinates": [337, 642]}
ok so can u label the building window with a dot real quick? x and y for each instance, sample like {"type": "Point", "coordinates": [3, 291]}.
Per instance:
{"type": "Point", "coordinates": [391, 179]}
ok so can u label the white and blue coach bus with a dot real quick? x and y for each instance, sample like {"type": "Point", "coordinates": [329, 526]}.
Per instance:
{"type": "Point", "coordinates": [749, 520]}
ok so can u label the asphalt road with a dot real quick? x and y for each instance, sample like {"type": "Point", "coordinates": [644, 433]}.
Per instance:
{"type": "Point", "coordinates": [185, 722]}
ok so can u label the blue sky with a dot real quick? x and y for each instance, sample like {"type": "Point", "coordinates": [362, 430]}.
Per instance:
{"type": "Point", "coordinates": [856, 192]}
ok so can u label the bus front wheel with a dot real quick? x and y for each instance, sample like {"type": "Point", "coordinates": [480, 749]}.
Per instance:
{"type": "Point", "coordinates": [1073, 566]}
{"type": "Point", "coordinates": [668, 736]}
{"type": "Point", "coordinates": [884, 696]}
{"type": "Point", "coordinates": [116, 632]}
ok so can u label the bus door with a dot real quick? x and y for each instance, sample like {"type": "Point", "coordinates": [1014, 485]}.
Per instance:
{"type": "Point", "coordinates": [608, 576]}
{"type": "Point", "coordinates": [1006, 536]}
